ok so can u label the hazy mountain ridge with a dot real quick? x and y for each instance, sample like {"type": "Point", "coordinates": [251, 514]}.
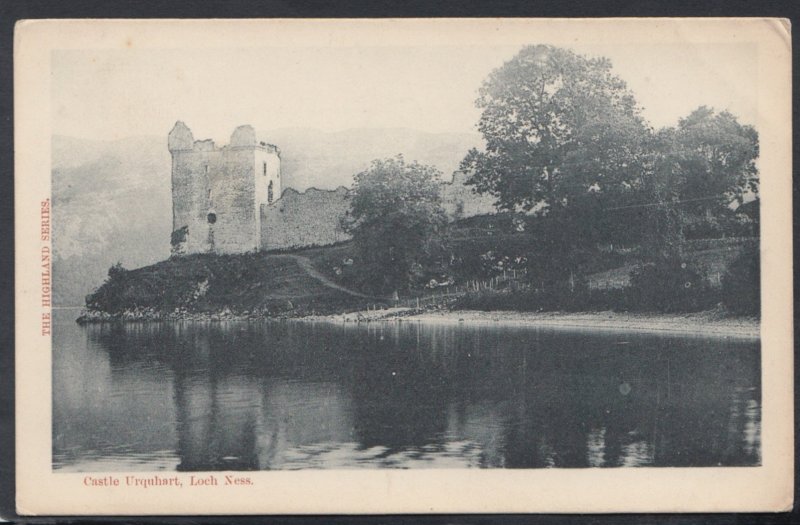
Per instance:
{"type": "Point", "coordinates": [112, 199]}
{"type": "Point", "coordinates": [112, 206]}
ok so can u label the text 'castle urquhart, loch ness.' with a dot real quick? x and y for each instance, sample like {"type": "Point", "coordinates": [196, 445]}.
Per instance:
{"type": "Point", "coordinates": [231, 199]}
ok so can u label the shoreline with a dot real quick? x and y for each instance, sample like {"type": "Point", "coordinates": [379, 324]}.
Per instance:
{"type": "Point", "coordinates": [707, 323]}
{"type": "Point", "coordinates": [710, 323]}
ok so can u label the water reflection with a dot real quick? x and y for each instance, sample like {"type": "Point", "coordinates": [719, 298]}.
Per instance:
{"type": "Point", "coordinates": [288, 395]}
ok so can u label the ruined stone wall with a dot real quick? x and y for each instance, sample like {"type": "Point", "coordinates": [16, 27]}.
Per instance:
{"type": "Point", "coordinates": [228, 200]}
{"type": "Point", "coordinates": [304, 219]}
{"type": "Point", "coordinates": [313, 218]}
{"type": "Point", "coordinates": [459, 201]}
{"type": "Point", "coordinates": [267, 183]}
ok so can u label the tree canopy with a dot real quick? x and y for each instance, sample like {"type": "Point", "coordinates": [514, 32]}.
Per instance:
{"type": "Point", "coordinates": [717, 158]}
{"type": "Point", "coordinates": [565, 139]}
{"type": "Point", "coordinates": [396, 216]}
{"type": "Point", "coordinates": [557, 125]}
{"type": "Point", "coordinates": [697, 171]}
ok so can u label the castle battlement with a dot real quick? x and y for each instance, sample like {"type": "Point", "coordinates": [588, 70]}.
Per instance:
{"type": "Point", "coordinates": [181, 139]}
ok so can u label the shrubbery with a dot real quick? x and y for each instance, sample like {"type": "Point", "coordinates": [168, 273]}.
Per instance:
{"type": "Point", "coordinates": [112, 296]}
{"type": "Point", "coordinates": [667, 286]}
{"type": "Point", "coordinates": [397, 221]}
{"type": "Point", "coordinates": [741, 286]}
{"type": "Point", "coordinates": [670, 285]}
{"type": "Point", "coordinates": [211, 283]}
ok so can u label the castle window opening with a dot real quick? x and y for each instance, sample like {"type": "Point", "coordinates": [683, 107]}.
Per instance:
{"type": "Point", "coordinates": [265, 169]}
{"type": "Point", "coordinates": [212, 218]}
{"type": "Point", "coordinates": [269, 193]}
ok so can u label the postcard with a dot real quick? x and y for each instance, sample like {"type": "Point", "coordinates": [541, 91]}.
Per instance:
{"type": "Point", "coordinates": [379, 266]}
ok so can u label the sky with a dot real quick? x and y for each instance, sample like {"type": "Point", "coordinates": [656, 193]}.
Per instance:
{"type": "Point", "coordinates": [116, 93]}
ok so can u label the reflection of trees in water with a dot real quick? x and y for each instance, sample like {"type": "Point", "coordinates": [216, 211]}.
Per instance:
{"type": "Point", "coordinates": [714, 420]}
{"type": "Point", "coordinates": [582, 400]}
{"type": "Point", "coordinates": [675, 407]}
{"type": "Point", "coordinates": [397, 397]}
{"type": "Point", "coordinates": [260, 396]}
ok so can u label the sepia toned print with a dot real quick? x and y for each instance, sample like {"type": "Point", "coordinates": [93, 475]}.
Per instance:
{"type": "Point", "coordinates": [382, 266]}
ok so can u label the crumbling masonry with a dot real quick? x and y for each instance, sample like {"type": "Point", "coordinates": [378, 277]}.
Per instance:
{"type": "Point", "coordinates": [218, 192]}
{"type": "Point", "coordinates": [230, 199]}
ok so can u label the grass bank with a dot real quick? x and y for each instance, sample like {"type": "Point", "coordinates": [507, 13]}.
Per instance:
{"type": "Point", "coordinates": [209, 286]}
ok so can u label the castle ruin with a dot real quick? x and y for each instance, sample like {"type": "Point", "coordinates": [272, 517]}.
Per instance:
{"type": "Point", "coordinates": [230, 199]}
{"type": "Point", "coordinates": [218, 192]}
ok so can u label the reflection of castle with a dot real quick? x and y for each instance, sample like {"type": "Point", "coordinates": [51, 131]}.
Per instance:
{"type": "Point", "coordinates": [231, 199]}
{"type": "Point", "coordinates": [200, 397]}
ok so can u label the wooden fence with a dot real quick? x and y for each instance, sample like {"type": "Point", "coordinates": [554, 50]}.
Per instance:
{"type": "Point", "coordinates": [444, 295]}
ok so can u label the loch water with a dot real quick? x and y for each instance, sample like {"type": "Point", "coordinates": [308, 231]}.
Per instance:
{"type": "Point", "coordinates": [237, 395]}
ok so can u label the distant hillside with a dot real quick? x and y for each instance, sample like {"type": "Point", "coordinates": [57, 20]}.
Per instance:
{"type": "Point", "coordinates": [112, 201]}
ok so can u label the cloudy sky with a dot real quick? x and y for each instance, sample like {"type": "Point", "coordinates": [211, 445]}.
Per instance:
{"type": "Point", "coordinates": [114, 93]}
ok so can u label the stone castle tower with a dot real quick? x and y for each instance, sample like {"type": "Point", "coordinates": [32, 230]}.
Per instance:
{"type": "Point", "coordinates": [218, 192]}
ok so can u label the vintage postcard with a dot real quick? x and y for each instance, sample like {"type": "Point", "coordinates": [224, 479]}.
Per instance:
{"type": "Point", "coordinates": [403, 266]}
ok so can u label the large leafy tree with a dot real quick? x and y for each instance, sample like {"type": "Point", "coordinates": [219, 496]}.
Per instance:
{"type": "Point", "coordinates": [696, 171]}
{"type": "Point", "coordinates": [565, 140]}
{"type": "Point", "coordinates": [396, 219]}
{"type": "Point", "coordinates": [716, 160]}
{"type": "Point", "coordinates": [558, 128]}
{"type": "Point", "coordinates": [659, 205]}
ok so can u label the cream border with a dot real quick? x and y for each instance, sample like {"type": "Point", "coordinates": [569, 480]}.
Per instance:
{"type": "Point", "coordinates": [769, 487]}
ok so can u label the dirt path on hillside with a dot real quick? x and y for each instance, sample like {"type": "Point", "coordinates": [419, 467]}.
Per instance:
{"type": "Point", "coordinates": [308, 267]}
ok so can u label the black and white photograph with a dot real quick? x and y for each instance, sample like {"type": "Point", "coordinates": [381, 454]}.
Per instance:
{"type": "Point", "coordinates": [539, 253]}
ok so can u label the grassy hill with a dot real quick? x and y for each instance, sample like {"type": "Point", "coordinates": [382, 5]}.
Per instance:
{"type": "Point", "coordinates": [324, 280]}
{"type": "Point", "coordinates": [247, 284]}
